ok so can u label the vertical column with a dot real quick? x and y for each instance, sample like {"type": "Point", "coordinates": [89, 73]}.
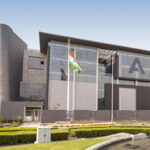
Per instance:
{"type": "Point", "coordinates": [136, 82]}
{"type": "Point", "coordinates": [68, 86]}
{"type": "Point", "coordinates": [112, 93]}
{"type": "Point", "coordinates": [74, 87]}
{"type": "Point", "coordinates": [97, 56]}
{"type": "Point", "coordinates": [117, 81]}
{"type": "Point", "coordinates": [47, 99]}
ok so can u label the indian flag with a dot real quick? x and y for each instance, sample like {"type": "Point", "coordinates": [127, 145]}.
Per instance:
{"type": "Point", "coordinates": [73, 63]}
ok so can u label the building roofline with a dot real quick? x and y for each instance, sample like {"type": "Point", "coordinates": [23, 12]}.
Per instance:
{"type": "Point", "coordinates": [47, 37]}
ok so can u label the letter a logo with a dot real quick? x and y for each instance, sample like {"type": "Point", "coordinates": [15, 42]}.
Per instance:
{"type": "Point", "coordinates": [138, 68]}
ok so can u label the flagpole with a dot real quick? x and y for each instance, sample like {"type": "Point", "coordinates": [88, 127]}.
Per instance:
{"type": "Point", "coordinates": [74, 87]}
{"type": "Point", "coordinates": [68, 89]}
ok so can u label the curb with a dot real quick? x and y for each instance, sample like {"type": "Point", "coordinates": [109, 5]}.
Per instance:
{"type": "Point", "coordinates": [106, 143]}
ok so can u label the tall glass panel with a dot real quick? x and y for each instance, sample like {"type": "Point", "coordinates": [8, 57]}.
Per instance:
{"type": "Point", "coordinates": [86, 57]}
{"type": "Point", "coordinates": [87, 60]}
{"type": "Point", "coordinates": [59, 62]}
{"type": "Point", "coordinates": [104, 76]}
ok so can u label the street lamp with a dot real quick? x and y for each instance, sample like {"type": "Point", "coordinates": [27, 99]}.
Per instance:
{"type": "Point", "coordinates": [110, 55]}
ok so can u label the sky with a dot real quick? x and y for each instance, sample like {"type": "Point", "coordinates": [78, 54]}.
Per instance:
{"type": "Point", "coordinates": [121, 22]}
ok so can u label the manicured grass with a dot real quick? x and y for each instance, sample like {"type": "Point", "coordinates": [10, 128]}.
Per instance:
{"type": "Point", "coordinates": [63, 145]}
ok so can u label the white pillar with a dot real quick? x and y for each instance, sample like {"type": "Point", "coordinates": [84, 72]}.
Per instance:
{"type": "Point", "coordinates": [117, 81]}
{"type": "Point", "coordinates": [136, 83]}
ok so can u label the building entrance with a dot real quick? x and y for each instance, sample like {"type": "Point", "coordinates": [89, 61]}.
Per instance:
{"type": "Point", "coordinates": [32, 114]}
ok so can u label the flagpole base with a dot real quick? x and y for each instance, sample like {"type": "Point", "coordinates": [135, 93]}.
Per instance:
{"type": "Point", "coordinates": [69, 115]}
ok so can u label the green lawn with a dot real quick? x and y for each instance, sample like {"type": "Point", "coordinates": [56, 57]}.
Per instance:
{"type": "Point", "coordinates": [63, 145]}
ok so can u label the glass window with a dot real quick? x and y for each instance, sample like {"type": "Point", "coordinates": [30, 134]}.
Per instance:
{"type": "Point", "coordinates": [31, 62]}
{"type": "Point", "coordinates": [40, 72]}
{"type": "Point", "coordinates": [40, 63]}
{"type": "Point", "coordinates": [28, 113]}
{"type": "Point", "coordinates": [86, 57]}
{"type": "Point", "coordinates": [31, 71]}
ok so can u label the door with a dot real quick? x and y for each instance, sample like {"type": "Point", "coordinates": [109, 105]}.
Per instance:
{"type": "Point", "coordinates": [127, 99]}
{"type": "Point", "coordinates": [37, 115]}
{"type": "Point", "coordinates": [32, 114]}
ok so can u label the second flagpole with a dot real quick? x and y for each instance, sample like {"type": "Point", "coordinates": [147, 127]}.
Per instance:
{"type": "Point", "coordinates": [68, 86]}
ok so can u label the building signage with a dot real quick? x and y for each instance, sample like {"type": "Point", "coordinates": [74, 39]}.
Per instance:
{"type": "Point", "coordinates": [134, 66]}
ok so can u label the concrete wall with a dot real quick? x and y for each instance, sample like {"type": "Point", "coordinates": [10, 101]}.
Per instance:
{"type": "Point", "coordinates": [82, 115]}
{"type": "Point", "coordinates": [36, 56]}
{"type": "Point", "coordinates": [30, 90]}
{"type": "Point", "coordinates": [12, 108]}
{"type": "Point", "coordinates": [15, 108]}
{"type": "Point", "coordinates": [85, 95]}
{"type": "Point", "coordinates": [11, 62]}
{"type": "Point", "coordinates": [142, 96]}
{"type": "Point", "coordinates": [101, 115]}
{"type": "Point", "coordinates": [53, 115]}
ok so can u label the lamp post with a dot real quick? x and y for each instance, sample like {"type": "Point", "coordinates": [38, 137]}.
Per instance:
{"type": "Point", "coordinates": [112, 93]}
{"type": "Point", "coordinates": [110, 55]}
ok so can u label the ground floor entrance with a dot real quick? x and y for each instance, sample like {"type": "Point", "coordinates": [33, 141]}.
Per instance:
{"type": "Point", "coordinates": [32, 113]}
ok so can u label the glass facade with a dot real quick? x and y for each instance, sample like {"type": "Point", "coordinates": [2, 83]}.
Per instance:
{"type": "Point", "coordinates": [87, 58]}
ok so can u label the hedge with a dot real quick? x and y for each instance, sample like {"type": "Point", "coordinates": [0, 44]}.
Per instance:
{"type": "Point", "coordinates": [108, 126]}
{"type": "Point", "coordinates": [10, 136]}
{"type": "Point", "coordinates": [20, 137]}
{"type": "Point", "coordinates": [85, 127]}
{"type": "Point", "coordinates": [17, 129]}
{"type": "Point", "coordinates": [7, 138]}
{"type": "Point", "coordinates": [21, 129]}
{"type": "Point", "coordinates": [58, 135]}
{"type": "Point", "coordinates": [81, 133]}
{"type": "Point", "coordinates": [73, 127]}
{"type": "Point", "coordinates": [131, 126]}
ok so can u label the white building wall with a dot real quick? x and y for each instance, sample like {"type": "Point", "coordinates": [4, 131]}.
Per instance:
{"type": "Point", "coordinates": [84, 97]}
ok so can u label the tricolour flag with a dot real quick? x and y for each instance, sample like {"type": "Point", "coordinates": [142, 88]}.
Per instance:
{"type": "Point", "coordinates": [73, 63]}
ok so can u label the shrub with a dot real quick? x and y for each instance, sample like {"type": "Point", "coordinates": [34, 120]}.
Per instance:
{"type": "Point", "coordinates": [85, 127]}
{"type": "Point", "coordinates": [107, 131]}
{"type": "Point", "coordinates": [1, 120]}
{"type": "Point", "coordinates": [17, 129]}
{"type": "Point", "coordinates": [16, 119]}
{"type": "Point", "coordinates": [57, 135]}
{"type": "Point", "coordinates": [22, 129]}
{"type": "Point", "coordinates": [7, 138]}
{"type": "Point", "coordinates": [131, 126]}
{"type": "Point", "coordinates": [20, 137]}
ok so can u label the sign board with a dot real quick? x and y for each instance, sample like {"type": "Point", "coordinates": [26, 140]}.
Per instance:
{"type": "Point", "coordinates": [133, 66]}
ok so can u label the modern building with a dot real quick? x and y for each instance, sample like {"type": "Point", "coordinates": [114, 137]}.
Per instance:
{"type": "Point", "coordinates": [33, 84]}
{"type": "Point", "coordinates": [11, 63]}
{"type": "Point", "coordinates": [131, 74]}
{"type": "Point", "coordinates": [43, 89]}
